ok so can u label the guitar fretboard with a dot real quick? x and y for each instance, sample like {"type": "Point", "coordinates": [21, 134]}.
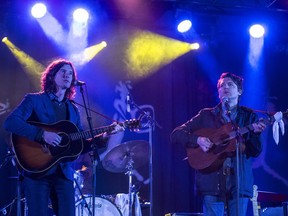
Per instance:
{"type": "Point", "coordinates": [87, 134]}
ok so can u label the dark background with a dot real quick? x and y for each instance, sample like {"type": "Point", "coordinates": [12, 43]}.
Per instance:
{"type": "Point", "coordinates": [176, 91]}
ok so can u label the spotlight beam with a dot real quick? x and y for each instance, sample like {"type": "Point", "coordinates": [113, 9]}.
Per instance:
{"type": "Point", "coordinates": [30, 65]}
{"type": "Point", "coordinates": [146, 52]}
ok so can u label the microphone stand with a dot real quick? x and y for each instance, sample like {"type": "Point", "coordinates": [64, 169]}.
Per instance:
{"type": "Point", "coordinates": [238, 137]}
{"type": "Point", "coordinates": [95, 155]}
{"type": "Point", "coordinates": [143, 113]}
{"type": "Point", "coordinates": [151, 122]}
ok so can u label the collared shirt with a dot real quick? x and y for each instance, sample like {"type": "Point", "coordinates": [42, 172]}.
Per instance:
{"type": "Point", "coordinates": [232, 114]}
{"type": "Point", "coordinates": [60, 107]}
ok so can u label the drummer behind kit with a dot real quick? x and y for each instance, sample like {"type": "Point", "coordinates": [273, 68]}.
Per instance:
{"type": "Point", "coordinates": [123, 158]}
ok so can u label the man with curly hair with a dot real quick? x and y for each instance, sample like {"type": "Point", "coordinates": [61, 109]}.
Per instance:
{"type": "Point", "coordinates": [51, 105]}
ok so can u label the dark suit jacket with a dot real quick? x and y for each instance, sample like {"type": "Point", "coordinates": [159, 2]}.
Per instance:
{"type": "Point", "coordinates": [211, 183]}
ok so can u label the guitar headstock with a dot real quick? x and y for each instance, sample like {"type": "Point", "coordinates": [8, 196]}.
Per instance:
{"type": "Point", "coordinates": [132, 124]}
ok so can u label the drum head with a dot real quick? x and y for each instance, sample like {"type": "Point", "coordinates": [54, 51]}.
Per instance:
{"type": "Point", "coordinates": [102, 207]}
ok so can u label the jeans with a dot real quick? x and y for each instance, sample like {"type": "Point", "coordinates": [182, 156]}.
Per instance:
{"type": "Point", "coordinates": [58, 189]}
{"type": "Point", "coordinates": [215, 206]}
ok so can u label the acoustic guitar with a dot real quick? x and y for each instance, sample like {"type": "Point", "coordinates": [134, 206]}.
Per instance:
{"type": "Point", "coordinates": [224, 139]}
{"type": "Point", "coordinates": [37, 158]}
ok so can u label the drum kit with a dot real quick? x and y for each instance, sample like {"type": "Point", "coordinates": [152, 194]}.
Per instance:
{"type": "Point", "coordinates": [123, 158]}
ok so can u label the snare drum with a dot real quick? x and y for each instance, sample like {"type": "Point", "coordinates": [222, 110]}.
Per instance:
{"type": "Point", "coordinates": [102, 207]}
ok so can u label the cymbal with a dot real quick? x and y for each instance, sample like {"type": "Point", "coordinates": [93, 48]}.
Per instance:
{"type": "Point", "coordinates": [117, 159]}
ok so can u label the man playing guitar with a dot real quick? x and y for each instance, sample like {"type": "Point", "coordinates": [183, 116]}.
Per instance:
{"type": "Point", "coordinates": [210, 139]}
{"type": "Point", "coordinates": [41, 126]}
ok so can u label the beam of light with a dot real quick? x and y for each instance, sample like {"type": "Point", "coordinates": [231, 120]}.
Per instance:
{"type": "Point", "coordinates": [147, 52]}
{"type": "Point", "coordinates": [255, 51]}
{"type": "Point", "coordinates": [88, 54]}
{"type": "Point", "coordinates": [78, 32]}
{"type": "Point", "coordinates": [38, 10]}
{"type": "Point", "coordinates": [29, 65]}
{"type": "Point", "coordinates": [53, 29]}
{"type": "Point", "coordinates": [255, 79]}
{"type": "Point", "coordinates": [77, 37]}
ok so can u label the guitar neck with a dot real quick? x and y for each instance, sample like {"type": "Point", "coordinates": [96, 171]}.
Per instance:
{"type": "Point", "coordinates": [248, 128]}
{"type": "Point", "coordinates": [95, 131]}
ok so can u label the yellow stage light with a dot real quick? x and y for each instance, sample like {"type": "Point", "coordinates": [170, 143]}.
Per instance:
{"type": "Point", "coordinates": [147, 52]}
{"type": "Point", "coordinates": [195, 46]}
{"type": "Point", "coordinates": [88, 54]}
{"type": "Point", "coordinates": [30, 65]}
{"type": "Point", "coordinates": [104, 44]}
{"type": "Point", "coordinates": [4, 39]}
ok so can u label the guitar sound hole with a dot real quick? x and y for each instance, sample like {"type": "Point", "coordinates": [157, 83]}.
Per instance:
{"type": "Point", "coordinates": [64, 141]}
{"type": "Point", "coordinates": [62, 147]}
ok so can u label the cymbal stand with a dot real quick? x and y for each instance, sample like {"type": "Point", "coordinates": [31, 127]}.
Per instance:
{"type": "Point", "coordinates": [129, 168]}
{"type": "Point", "coordinates": [83, 200]}
{"type": "Point", "coordinates": [151, 122]}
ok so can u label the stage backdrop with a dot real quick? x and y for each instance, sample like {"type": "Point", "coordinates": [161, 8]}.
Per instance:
{"type": "Point", "coordinates": [171, 95]}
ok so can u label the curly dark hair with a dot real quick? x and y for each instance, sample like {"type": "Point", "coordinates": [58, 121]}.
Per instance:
{"type": "Point", "coordinates": [47, 80]}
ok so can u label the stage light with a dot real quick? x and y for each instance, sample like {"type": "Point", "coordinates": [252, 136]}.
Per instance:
{"type": "Point", "coordinates": [104, 44]}
{"type": "Point", "coordinates": [146, 52]}
{"type": "Point", "coordinates": [38, 10]}
{"type": "Point", "coordinates": [183, 20]}
{"type": "Point", "coordinates": [194, 46]}
{"type": "Point", "coordinates": [80, 15]}
{"type": "Point", "coordinates": [257, 31]}
{"type": "Point", "coordinates": [82, 58]}
{"type": "Point", "coordinates": [78, 32]}
{"type": "Point", "coordinates": [4, 39]}
{"type": "Point", "coordinates": [184, 26]}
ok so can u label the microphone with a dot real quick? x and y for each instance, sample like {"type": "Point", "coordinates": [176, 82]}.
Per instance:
{"type": "Point", "coordinates": [225, 101]}
{"type": "Point", "coordinates": [128, 102]}
{"type": "Point", "coordinates": [79, 83]}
